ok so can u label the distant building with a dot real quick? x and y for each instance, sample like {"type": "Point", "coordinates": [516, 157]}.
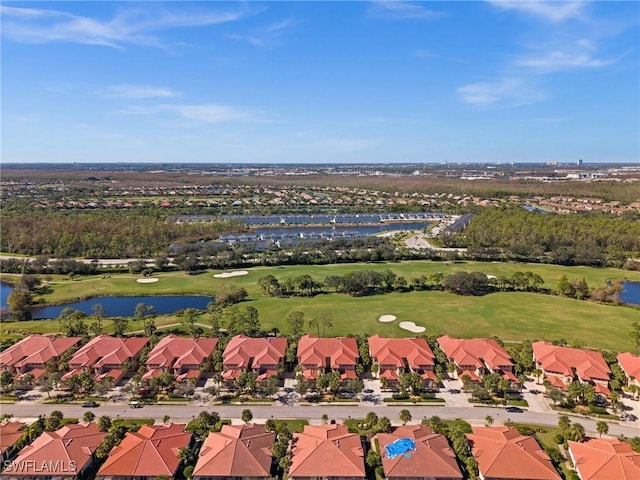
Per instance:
{"type": "Point", "coordinates": [31, 354]}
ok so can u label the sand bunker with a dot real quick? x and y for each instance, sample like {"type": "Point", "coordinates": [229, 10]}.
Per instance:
{"type": "Point", "coordinates": [147, 280]}
{"type": "Point", "coordinates": [412, 327]}
{"type": "Point", "coordinates": [491, 277]}
{"type": "Point", "coordinates": [387, 318]}
{"type": "Point", "coordinates": [237, 273]}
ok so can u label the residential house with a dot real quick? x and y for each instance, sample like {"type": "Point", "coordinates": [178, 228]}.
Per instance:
{"type": "Point", "coordinates": [326, 452]}
{"type": "Point", "coordinates": [236, 452]}
{"type": "Point", "coordinates": [317, 356]}
{"type": "Point", "coordinates": [630, 365]}
{"type": "Point", "coordinates": [181, 356]}
{"type": "Point", "coordinates": [66, 453]}
{"type": "Point", "coordinates": [396, 356]}
{"type": "Point", "coordinates": [10, 433]}
{"type": "Point", "coordinates": [562, 365]}
{"type": "Point", "coordinates": [432, 458]}
{"type": "Point", "coordinates": [264, 356]}
{"type": "Point", "coordinates": [503, 453]}
{"type": "Point", "coordinates": [107, 356]}
{"type": "Point", "coordinates": [149, 453]}
{"type": "Point", "coordinates": [476, 357]}
{"type": "Point", "coordinates": [31, 354]}
{"type": "Point", "coordinates": [605, 459]}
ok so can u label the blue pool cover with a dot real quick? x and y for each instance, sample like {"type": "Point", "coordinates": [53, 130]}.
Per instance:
{"type": "Point", "coordinates": [400, 447]}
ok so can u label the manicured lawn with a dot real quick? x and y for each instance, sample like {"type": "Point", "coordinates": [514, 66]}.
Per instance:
{"type": "Point", "coordinates": [513, 316]}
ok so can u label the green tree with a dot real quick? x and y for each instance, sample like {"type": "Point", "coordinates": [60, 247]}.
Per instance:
{"type": "Point", "coordinates": [634, 334]}
{"type": "Point", "coordinates": [323, 319]}
{"type": "Point", "coordinates": [246, 416]}
{"type": "Point", "coordinates": [576, 432]}
{"type": "Point", "coordinates": [295, 321]}
{"type": "Point", "coordinates": [488, 420]}
{"type": "Point", "coordinates": [120, 326]}
{"type": "Point", "coordinates": [98, 312]}
{"type": "Point", "coordinates": [19, 302]}
{"type": "Point", "coordinates": [146, 313]}
{"type": "Point", "coordinates": [602, 427]}
{"type": "Point", "coordinates": [88, 417]}
{"type": "Point", "coordinates": [405, 416]}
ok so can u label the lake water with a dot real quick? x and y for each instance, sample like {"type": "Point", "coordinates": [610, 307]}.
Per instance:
{"type": "Point", "coordinates": [117, 306]}
{"type": "Point", "coordinates": [631, 293]}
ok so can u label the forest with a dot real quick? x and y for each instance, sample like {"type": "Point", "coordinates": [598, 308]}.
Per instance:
{"type": "Point", "coordinates": [520, 235]}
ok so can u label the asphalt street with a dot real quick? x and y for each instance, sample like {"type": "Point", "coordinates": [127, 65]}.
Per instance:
{"type": "Point", "coordinates": [313, 413]}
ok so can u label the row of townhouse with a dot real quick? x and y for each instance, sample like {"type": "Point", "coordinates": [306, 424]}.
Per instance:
{"type": "Point", "coordinates": [325, 452]}
{"type": "Point", "coordinates": [189, 357]}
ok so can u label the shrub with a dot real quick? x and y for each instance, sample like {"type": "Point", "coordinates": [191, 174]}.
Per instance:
{"type": "Point", "coordinates": [559, 438]}
{"type": "Point", "coordinates": [524, 430]}
{"type": "Point", "coordinates": [427, 396]}
{"type": "Point", "coordinates": [400, 396]}
{"type": "Point", "coordinates": [598, 410]}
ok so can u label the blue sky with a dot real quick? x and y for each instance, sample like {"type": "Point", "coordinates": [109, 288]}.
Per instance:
{"type": "Point", "coordinates": [483, 81]}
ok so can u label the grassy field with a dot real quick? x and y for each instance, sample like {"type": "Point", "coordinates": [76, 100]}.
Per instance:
{"type": "Point", "coordinates": [509, 315]}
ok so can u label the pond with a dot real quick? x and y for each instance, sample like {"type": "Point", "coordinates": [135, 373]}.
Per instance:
{"type": "Point", "coordinates": [117, 306]}
{"type": "Point", "coordinates": [631, 293]}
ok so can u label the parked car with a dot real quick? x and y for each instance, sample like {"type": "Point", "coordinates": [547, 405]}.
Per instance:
{"type": "Point", "coordinates": [454, 390]}
{"type": "Point", "coordinates": [135, 405]}
{"type": "Point", "coordinates": [89, 404]}
{"type": "Point", "coordinates": [514, 410]}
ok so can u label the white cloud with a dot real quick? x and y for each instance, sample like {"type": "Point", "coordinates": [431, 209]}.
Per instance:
{"type": "Point", "coordinates": [553, 11]}
{"type": "Point", "coordinates": [267, 36]}
{"type": "Point", "coordinates": [138, 91]}
{"type": "Point", "coordinates": [512, 92]}
{"type": "Point", "coordinates": [200, 113]}
{"type": "Point", "coordinates": [396, 9]}
{"type": "Point", "coordinates": [128, 26]}
{"type": "Point", "coordinates": [582, 54]}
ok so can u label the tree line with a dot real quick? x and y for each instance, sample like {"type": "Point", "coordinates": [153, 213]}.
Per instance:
{"type": "Point", "coordinates": [517, 234]}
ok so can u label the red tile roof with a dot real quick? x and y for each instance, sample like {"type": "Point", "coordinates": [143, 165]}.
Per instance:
{"type": "Point", "coordinates": [327, 451]}
{"type": "Point", "coordinates": [107, 350]}
{"type": "Point", "coordinates": [394, 351]}
{"type": "Point", "coordinates": [175, 352]}
{"type": "Point", "coordinates": [264, 351]}
{"type": "Point", "coordinates": [588, 364]}
{"type": "Point", "coordinates": [475, 351]}
{"type": "Point", "coordinates": [10, 433]}
{"type": "Point", "coordinates": [630, 364]}
{"type": "Point", "coordinates": [433, 458]}
{"type": "Point", "coordinates": [237, 451]}
{"type": "Point", "coordinates": [605, 459]}
{"type": "Point", "coordinates": [35, 349]}
{"type": "Point", "coordinates": [152, 451]}
{"type": "Point", "coordinates": [68, 446]}
{"type": "Point", "coordinates": [503, 453]}
{"type": "Point", "coordinates": [314, 351]}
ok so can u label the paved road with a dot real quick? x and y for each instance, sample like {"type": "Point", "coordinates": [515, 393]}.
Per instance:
{"type": "Point", "coordinates": [184, 413]}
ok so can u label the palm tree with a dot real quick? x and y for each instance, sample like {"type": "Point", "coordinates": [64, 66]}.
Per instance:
{"type": "Point", "coordinates": [576, 432]}
{"type": "Point", "coordinates": [537, 373]}
{"type": "Point", "coordinates": [488, 420]}
{"type": "Point", "coordinates": [405, 416]}
{"type": "Point", "coordinates": [602, 427]}
{"type": "Point", "coordinates": [325, 418]}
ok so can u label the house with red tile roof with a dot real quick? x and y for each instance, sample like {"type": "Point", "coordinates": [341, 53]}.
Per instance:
{"type": "Point", "coordinates": [66, 453]}
{"type": "Point", "coordinates": [31, 354]}
{"type": "Point", "coordinates": [10, 433]}
{"type": "Point", "coordinates": [605, 459]}
{"type": "Point", "coordinates": [107, 356]}
{"type": "Point", "coordinates": [151, 452]}
{"type": "Point", "coordinates": [264, 356]}
{"type": "Point", "coordinates": [562, 365]}
{"type": "Point", "coordinates": [475, 357]}
{"type": "Point", "coordinates": [184, 357]}
{"type": "Point", "coordinates": [326, 451]}
{"type": "Point", "coordinates": [630, 365]}
{"type": "Point", "coordinates": [503, 453]}
{"type": "Point", "coordinates": [396, 356]}
{"type": "Point", "coordinates": [317, 356]}
{"type": "Point", "coordinates": [237, 451]}
{"type": "Point", "coordinates": [432, 458]}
